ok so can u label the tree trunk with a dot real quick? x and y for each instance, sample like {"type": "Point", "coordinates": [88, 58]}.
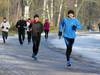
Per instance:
{"type": "Point", "coordinates": [44, 10]}
{"type": "Point", "coordinates": [51, 10]}
{"type": "Point", "coordinates": [48, 13]}
{"type": "Point", "coordinates": [59, 16]}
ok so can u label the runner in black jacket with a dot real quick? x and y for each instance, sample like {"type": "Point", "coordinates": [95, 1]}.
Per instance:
{"type": "Point", "coordinates": [21, 25]}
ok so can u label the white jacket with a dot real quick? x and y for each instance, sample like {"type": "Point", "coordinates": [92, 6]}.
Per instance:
{"type": "Point", "coordinates": [5, 26]}
{"type": "Point", "coordinates": [28, 24]}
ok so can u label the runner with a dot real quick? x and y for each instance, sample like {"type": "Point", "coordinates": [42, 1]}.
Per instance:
{"type": "Point", "coordinates": [68, 27]}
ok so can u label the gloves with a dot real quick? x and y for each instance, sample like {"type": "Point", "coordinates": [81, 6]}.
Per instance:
{"type": "Point", "coordinates": [60, 34]}
{"type": "Point", "coordinates": [74, 27]}
{"type": "Point", "coordinates": [2, 27]}
{"type": "Point", "coordinates": [6, 27]}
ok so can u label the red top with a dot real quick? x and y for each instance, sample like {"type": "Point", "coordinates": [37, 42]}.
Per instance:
{"type": "Point", "coordinates": [46, 26]}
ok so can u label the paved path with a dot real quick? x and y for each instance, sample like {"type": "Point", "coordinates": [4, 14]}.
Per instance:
{"type": "Point", "coordinates": [16, 60]}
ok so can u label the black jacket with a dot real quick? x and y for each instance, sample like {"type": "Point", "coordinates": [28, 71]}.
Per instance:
{"type": "Point", "coordinates": [21, 25]}
{"type": "Point", "coordinates": [37, 28]}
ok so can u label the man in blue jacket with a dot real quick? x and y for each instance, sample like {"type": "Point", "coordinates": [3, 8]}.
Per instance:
{"type": "Point", "coordinates": [68, 27]}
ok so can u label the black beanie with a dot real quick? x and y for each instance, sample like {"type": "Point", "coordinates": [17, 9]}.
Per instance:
{"type": "Point", "coordinates": [36, 15]}
{"type": "Point", "coordinates": [70, 12]}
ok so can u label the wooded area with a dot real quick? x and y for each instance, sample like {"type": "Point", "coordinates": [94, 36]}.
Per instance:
{"type": "Point", "coordinates": [87, 11]}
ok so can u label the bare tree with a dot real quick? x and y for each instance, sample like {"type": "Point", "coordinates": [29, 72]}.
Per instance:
{"type": "Point", "coordinates": [44, 10]}
{"type": "Point", "coordinates": [59, 15]}
{"type": "Point", "coordinates": [48, 12]}
{"type": "Point", "coordinates": [51, 10]}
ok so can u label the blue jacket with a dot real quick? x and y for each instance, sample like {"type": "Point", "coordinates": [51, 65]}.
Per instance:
{"type": "Point", "coordinates": [66, 27]}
